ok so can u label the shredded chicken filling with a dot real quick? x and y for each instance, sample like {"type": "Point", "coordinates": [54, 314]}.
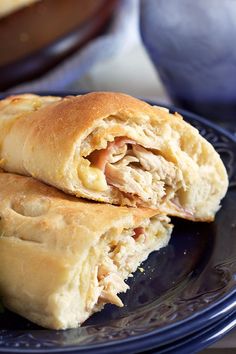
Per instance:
{"type": "Point", "coordinates": [121, 255]}
{"type": "Point", "coordinates": [117, 264]}
{"type": "Point", "coordinates": [136, 170]}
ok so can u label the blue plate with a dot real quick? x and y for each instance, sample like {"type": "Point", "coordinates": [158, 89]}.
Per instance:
{"type": "Point", "coordinates": [190, 284]}
{"type": "Point", "coordinates": [199, 340]}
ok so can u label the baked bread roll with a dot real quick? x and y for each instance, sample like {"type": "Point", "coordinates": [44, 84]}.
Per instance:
{"type": "Point", "coordinates": [113, 148]}
{"type": "Point", "coordinates": [61, 258]}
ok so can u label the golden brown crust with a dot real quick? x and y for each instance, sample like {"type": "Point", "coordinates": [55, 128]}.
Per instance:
{"type": "Point", "coordinates": [48, 244]}
{"type": "Point", "coordinates": [48, 202]}
{"type": "Point", "coordinates": [49, 144]}
{"type": "Point", "coordinates": [54, 130]}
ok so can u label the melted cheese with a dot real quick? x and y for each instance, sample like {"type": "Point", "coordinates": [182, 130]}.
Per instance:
{"type": "Point", "coordinates": [92, 178]}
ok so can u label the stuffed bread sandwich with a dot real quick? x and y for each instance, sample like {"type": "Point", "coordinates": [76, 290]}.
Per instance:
{"type": "Point", "coordinates": [62, 259]}
{"type": "Point", "coordinates": [113, 148]}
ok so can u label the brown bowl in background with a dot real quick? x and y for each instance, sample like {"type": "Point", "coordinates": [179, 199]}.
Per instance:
{"type": "Point", "coordinates": [36, 38]}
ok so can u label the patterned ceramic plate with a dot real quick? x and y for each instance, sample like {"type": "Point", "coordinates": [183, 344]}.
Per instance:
{"type": "Point", "coordinates": [186, 286]}
{"type": "Point", "coordinates": [198, 340]}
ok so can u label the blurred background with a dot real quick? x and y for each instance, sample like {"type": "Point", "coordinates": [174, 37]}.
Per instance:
{"type": "Point", "coordinates": [179, 52]}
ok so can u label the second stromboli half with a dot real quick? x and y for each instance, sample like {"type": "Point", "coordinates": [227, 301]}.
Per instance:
{"type": "Point", "coordinates": [113, 148]}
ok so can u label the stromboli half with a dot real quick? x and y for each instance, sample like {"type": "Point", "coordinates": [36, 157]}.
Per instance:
{"type": "Point", "coordinates": [62, 259]}
{"type": "Point", "coordinates": [113, 148]}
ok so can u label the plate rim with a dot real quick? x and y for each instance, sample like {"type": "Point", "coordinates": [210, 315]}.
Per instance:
{"type": "Point", "coordinates": [145, 341]}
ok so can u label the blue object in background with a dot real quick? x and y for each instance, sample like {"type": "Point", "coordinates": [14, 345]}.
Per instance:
{"type": "Point", "coordinates": [193, 46]}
